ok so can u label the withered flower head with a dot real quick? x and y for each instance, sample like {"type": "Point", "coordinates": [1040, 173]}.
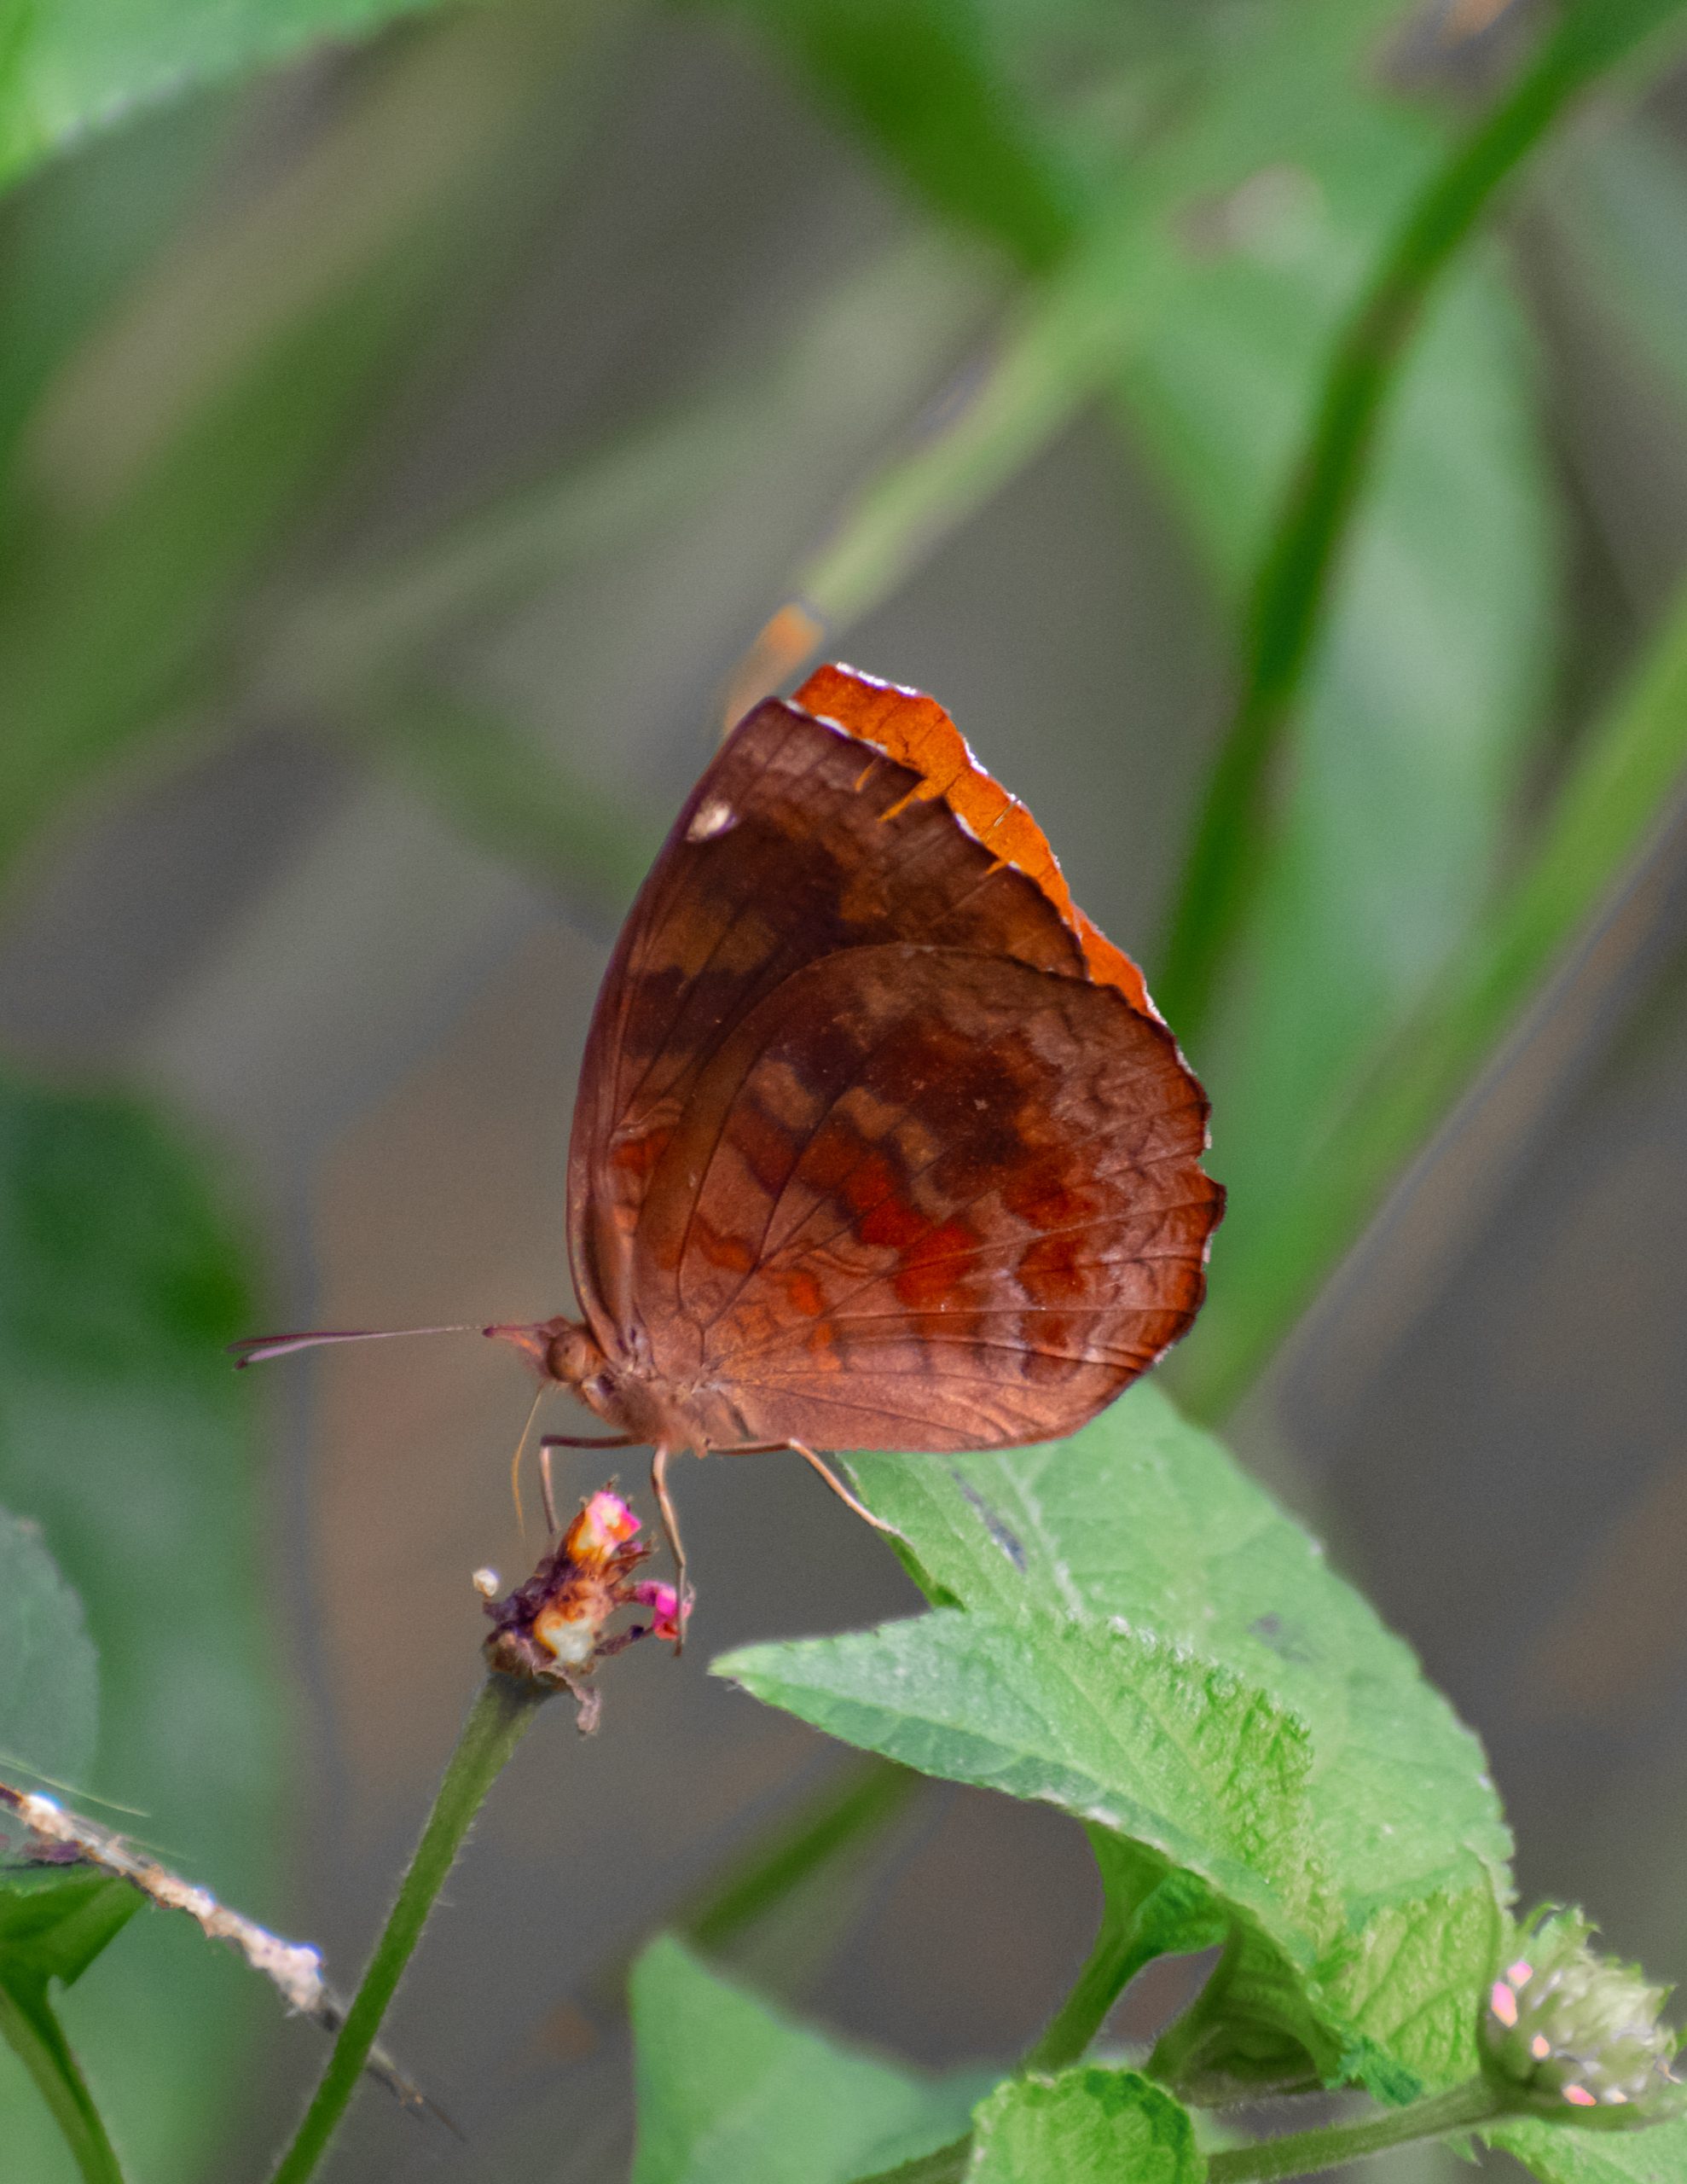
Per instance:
{"type": "Point", "coordinates": [554, 1629]}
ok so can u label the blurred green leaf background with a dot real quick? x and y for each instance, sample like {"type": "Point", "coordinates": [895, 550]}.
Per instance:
{"type": "Point", "coordinates": [413, 423]}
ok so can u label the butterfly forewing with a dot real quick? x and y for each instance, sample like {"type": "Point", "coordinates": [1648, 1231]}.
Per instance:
{"type": "Point", "coordinates": [784, 853]}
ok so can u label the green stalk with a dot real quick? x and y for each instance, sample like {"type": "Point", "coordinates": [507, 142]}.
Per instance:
{"type": "Point", "coordinates": [1631, 767]}
{"type": "Point", "coordinates": [843, 1815]}
{"type": "Point", "coordinates": [1061, 346]}
{"type": "Point", "coordinates": [499, 1717]}
{"type": "Point", "coordinates": [1120, 1951]}
{"type": "Point", "coordinates": [1291, 592]}
{"type": "Point", "coordinates": [1126, 1941]}
{"type": "Point", "coordinates": [1305, 2153]}
{"type": "Point", "coordinates": [1296, 2154]}
{"type": "Point", "coordinates": [31, 2029]}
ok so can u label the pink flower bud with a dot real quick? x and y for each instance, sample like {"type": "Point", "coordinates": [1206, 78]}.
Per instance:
{"type": "Point", "coordinates": [664, 1604]}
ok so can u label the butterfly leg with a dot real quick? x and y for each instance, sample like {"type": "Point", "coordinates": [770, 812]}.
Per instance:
{"type": "Point", "coordinates": [546, 1492]}
{"type": "Point", "coordinates": [837, 1486]}
{"type": "Point", "coordinates": [670, 1526]}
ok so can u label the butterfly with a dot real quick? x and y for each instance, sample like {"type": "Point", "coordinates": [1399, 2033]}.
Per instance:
{"type": "Point", "coordinates": [879, 1144]}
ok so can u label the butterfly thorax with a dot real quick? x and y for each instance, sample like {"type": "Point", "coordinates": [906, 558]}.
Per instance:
{"type": "Point", "coordinates": [634, 1400]}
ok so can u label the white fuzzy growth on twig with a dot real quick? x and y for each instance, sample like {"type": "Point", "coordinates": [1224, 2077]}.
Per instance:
{"type": "Point", "coordinates": [294, 1968]}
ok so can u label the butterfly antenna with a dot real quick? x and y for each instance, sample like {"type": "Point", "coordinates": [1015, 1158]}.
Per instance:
{"type": "Point", "coordinates": [257, 1348]}
{"type": "Point", "coordinates": [515, 1461]}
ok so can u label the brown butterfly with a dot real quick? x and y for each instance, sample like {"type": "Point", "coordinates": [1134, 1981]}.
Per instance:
{"type": "Point", "coordinates": [879, 1144]}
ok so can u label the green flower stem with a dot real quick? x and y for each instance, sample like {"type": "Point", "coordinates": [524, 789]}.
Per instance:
{"type": "Point", "coordinates": [499, 1717]}
{"type": "Point", "coordinates": [846, 1813]}
{"type": "Point", "coordinates": [1292, 588]}
{"type": "Point", "coordinates": [1304, 2153]}
{"type": "Point", "coordinates": [1296, 2154]}
{"type": "Point", "coordinates": [1120, 1953]}
{"type": "Point", "coordinates": [1629, 771]}
{"type": "Point", "coordinates": [32, 2031]}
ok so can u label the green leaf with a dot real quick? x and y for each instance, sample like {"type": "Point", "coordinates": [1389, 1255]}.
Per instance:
{"type": "Point", "coordinates": [69, 66]}
{"type": "Point", "coordinates": [1175, 1756]}
{"type": "Point", "coordinates": [1145, 1517]}
{"type": "Point", "coordinates": [48, 1680]}
{"type": "Point", "coordinates": [1113, 1728]}
{"type": "Point", "coordinates": [123, 1431]}
{"type": "Point", "coordinates": [1561, 2154]}
{"type": "Point", "coordinates": [729, 2092]}
{"type": "Point", "coordinates": [1143, 1523]}
{"type": "Point", "coordinates": [1086, 2127]}
{"type": "Point", "coordinates": [55, 1919]}
{"type": "Point", "coordinates": [32, 2032]}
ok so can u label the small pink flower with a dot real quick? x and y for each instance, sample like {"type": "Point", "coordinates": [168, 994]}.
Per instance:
{"type": "Point", "coordinates": [664, 1604]}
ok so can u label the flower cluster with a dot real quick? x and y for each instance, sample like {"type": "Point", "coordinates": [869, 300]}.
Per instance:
{"type": "Point", "coordinates": [1572, 2033]}
{"type": "Point", "coordinates": [554, 1629]}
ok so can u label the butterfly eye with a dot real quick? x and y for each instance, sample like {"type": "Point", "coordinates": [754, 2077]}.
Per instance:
{"type": "Point", "coordinates": [573, 1357]}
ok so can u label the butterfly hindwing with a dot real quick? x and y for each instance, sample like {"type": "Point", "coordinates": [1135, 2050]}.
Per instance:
{"type": "Point", "coordinates": [926, 1198]}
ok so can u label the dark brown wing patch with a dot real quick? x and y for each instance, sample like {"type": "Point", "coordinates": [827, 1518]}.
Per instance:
{"type": "Point", "coordinates": [940, 1189]}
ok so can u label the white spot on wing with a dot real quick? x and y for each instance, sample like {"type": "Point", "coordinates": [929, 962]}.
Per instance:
{"type": "Point", "coordinates": [717, 816]}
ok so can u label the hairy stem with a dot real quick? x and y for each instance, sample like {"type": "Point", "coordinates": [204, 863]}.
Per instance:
{"type": "Point", "coordinates": [1305, 2153]}
{"type": "Point", "coordinates": [1291, 590]}
{"type": "Point", "coordinates": [499, 1717]}
{"type": "Point", "coordinates": [1296, 2154]}
{"type": "Point", "coordinates": [31, 2029]}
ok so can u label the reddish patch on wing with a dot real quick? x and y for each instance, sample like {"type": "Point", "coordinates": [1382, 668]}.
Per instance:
{"type": "Point", "coordinates": [719, 1249]}
{"type": "Point", "coordinates": [1052, 1271]}
{"type": "Point", "coordinates": [638, 1155]}
{"type": "Point", "coordinates": [802, 1293]}
{"type": "Point", "coordinates": [893, 1225]}
{"type": "Point", "coordinates": [1048, 1193]}
{"type": "Point", "coordinates": [930, 1276]}
{"type": "Point", "coordinates": [914, 729]}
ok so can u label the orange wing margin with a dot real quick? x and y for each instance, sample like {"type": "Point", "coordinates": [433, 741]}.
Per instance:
{"type": "Point", "coordinates": [914, 729]}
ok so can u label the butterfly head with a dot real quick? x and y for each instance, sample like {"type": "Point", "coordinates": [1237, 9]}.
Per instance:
{"type": "Point", "coordinates": [558, 1349]}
